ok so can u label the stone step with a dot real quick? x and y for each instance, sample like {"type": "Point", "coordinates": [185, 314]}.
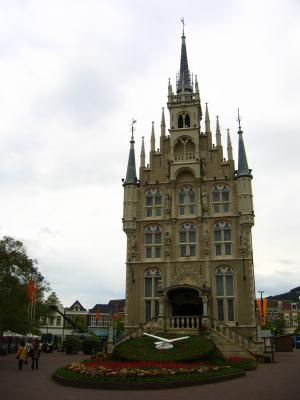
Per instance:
{"type": "Point", "coordinates": [227, 347]}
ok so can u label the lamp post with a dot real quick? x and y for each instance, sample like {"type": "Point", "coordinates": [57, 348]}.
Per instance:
{"type": "Point", "coordinates": [262, 306]}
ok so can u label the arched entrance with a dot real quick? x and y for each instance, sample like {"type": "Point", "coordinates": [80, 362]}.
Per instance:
{"type": "Point", "coordinates": [186, 308]}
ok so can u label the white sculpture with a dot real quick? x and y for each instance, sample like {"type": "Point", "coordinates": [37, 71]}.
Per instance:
{"type": "Point", "coordinates": [164, 343]}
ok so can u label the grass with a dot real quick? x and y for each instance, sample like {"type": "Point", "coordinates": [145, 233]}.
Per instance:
{"type": "Point", "coordinates": [196, 348]}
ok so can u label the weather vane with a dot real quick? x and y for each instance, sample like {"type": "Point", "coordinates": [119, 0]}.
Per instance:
{"type": "Point", "coordinates": [132, 127]}
{"type": "Point", "coordinates": [182, 20]}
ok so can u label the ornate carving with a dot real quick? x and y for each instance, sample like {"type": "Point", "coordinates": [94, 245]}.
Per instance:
{"type": "Point", "coordinates": [206, 240]}
{"type": "Point", "coordinates": [168, 203]}
{"type": "Point", "coordinates": [185, 272]}
{"type": "Point", "coordinates": [204, 199]}
{"type": "Point", "coordinates": [131, 246]}
{"type": "Point", "coordinates": [168, 243]}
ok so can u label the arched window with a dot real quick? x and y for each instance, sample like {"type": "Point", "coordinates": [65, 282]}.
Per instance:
{"type": "Point", "coordinates": [152, 279]}
{"type": "Point", "coordinates": [225, 294]}
{"type": "Point", "coordinates": [186, 201]}
{"type": "Point", "coordinates": [187, 240]}
{"type": "Point", "coordinates": [222, 239]}
{"type": "Point", "coordinates": [153, 241]}
{"type": "Point", "coordinates": [153, 203]}
{"type": "Point", "coordinates": [220, 199]}
{"type": "Point", "coordinates": [187, 121]}
{"type": "Point", "coordinates": [180, 121]}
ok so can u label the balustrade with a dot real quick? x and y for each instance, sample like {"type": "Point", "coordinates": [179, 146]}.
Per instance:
{"type": "Point", "coordinates": [185, 322]}
{"type": "Point", "coordinates": [184, 156]}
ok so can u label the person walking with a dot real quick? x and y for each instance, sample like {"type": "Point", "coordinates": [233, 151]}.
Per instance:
{"type": "Point", "coordinates": [35, 355]}
{"type": "Point", "coordinates": [22, 355]}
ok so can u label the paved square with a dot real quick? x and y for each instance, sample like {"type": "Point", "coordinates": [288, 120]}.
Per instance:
{"type": "Point", "coordinates": [280, 381]}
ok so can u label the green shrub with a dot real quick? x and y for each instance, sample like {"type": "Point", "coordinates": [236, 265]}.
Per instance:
{"type": "Point", "coordinates": [71, 344]}
{"type": "Point", "coordinates": [91, 344]}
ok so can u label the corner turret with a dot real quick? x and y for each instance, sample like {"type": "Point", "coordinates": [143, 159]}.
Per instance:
{"type": "Point", "coordinates": [130, 185]}
{"type": "Point", "coordinates": [244, 187]}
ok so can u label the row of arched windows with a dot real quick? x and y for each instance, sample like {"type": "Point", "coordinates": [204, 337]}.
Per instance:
{"type": "Point", "coordinates": [186, 200]}
{"type": "Point", "coordinates": [224, 289]}
{"type": "Point", "coordinates": [222, 240]}
{"type": "Point", "coordinates": [184, 121]}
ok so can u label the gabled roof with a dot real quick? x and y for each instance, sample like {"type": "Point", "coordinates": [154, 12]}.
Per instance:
{"type": "Point", "coordinates": [76, 303]}
{"type": "Point", "coordinates": [112, 307]}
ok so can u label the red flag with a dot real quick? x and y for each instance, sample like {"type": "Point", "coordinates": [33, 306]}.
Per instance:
{"type": "Point", "coordinates": [98, 315]}
{"type": "Point", "coordinates": [31, 290]}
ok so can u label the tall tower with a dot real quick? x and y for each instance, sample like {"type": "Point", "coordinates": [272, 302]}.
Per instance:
{"type": "Point", "coordinates": [188, 222]}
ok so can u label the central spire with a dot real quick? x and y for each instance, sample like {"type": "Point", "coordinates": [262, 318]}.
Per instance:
{"type": "Point", "coordinates": [184, 81]}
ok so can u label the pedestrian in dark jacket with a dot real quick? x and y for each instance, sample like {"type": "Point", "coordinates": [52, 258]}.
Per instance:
{"type": "Point", "coordinates": [35, 355]}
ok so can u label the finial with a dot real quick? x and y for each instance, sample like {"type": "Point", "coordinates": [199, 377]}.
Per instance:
{"type": "Point", "coordinates": [132, 129]}
{"type": "Point", "coordinates": [182, 20]}
{"type": "Point", "coordinates": [239, 120]}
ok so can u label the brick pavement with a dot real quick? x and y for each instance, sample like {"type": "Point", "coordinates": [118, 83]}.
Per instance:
{"type": "Point", "coordinates": [278, 381]}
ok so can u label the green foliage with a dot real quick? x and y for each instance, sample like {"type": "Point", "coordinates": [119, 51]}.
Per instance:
{"type": "Point", "coordinates": [91, 344]}
{"type": "Point", "coordinates": [279, 327]}
{"type": "Point", "coordinates": [80, 322]}
{"type": "Point", "coordinates": [195, 348]}
{"type": "Point", "coordinates": [16, 268]}
{"type": "Point", "coordinates": [52, 299]}
{"type": "Point", "coordinates": [72, 344]}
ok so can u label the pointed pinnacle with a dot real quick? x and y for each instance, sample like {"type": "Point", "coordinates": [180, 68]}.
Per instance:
{"type": "Point", "coordinates": [207, 120]}
{"type": "Point", "coordinates": [218, 133]}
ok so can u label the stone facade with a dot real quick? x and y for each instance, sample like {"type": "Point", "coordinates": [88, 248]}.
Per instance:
{"type": "Point", "coordinates": [188, 221]}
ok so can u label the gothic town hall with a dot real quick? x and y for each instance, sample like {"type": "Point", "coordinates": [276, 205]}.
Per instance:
{"type": "Point", "coordinates": [188, 217]}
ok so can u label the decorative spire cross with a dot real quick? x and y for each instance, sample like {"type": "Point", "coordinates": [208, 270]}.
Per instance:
{"type": "Point", "coordinates": [239, 120]}
{"type": "Point", "coordinates": [183, 23]}
{"type": "Point", "coordinates": [132, 128]}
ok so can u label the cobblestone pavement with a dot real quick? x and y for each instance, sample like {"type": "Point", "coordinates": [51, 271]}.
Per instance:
{"type": "Point", "coordinates": [279, 381]}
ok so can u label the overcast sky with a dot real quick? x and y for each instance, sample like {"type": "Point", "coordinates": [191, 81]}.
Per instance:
{"type": "Point", "coordinates": [73, 73]}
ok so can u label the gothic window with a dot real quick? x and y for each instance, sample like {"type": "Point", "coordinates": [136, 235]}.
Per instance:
{"type": "Point", "coordinates": [220, 199]}
{"type": "Point", "coordinates": [153, 203]}
{"type": "Point", "coordinates": [187, 121]}
{"type": "Point", "coordinates": [222, 239]}
{"type": "Point", "coordinates": [187, 240]}
{"type": "Point", "coordinates": [180, 121]}
{"type": "Point", "coordinates": [152, 279]}
{"type": "Point", "coordinates": [225, 294]}
{"type": "Point", "coordinates": [153, 241]}
{"type": "Point", "coordinates": [186, 201]}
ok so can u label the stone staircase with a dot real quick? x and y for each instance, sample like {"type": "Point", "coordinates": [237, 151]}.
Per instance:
{"type": "Point", "coordinates": [232, 343]}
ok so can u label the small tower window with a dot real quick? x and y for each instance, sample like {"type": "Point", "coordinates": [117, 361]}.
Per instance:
{"type": "Point", "coordinates": [187, 121]}
{"type": "Point", "coordinates": [225, 294]}
{"type": "Point", "coordinates": [220, 199]}
{"type": "Point", "coordinates": [180, 121]}
{"type": "Point", "coordinates": [187, 240]}
{"type": "Point", "coordinates": [153, 242]}
{"type": "Point", "coordinates": [153, 203]}
{"type": "Point", "coordinates": [152, 279]}
{"type": "Point", "coordinates": [222, 239]}
{"type": "Point", "coordinates": [186, 201]}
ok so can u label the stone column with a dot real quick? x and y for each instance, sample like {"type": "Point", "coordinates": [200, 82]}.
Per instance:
{"type": "Point", "coordinates": [205, 322]}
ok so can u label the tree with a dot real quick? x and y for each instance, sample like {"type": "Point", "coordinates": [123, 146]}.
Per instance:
{"type": "Point", "coordinates": [19, 278]}
{"type": "Point", "coordinates": [52, 299]}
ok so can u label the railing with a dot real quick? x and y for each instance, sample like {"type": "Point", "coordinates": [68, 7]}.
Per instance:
{"type": "Point", "coordinates": [229, 333]}
{"type": "Point", "coordinates": [185, 322]}
{"type": "Point", "coordinates": [184, 156]}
